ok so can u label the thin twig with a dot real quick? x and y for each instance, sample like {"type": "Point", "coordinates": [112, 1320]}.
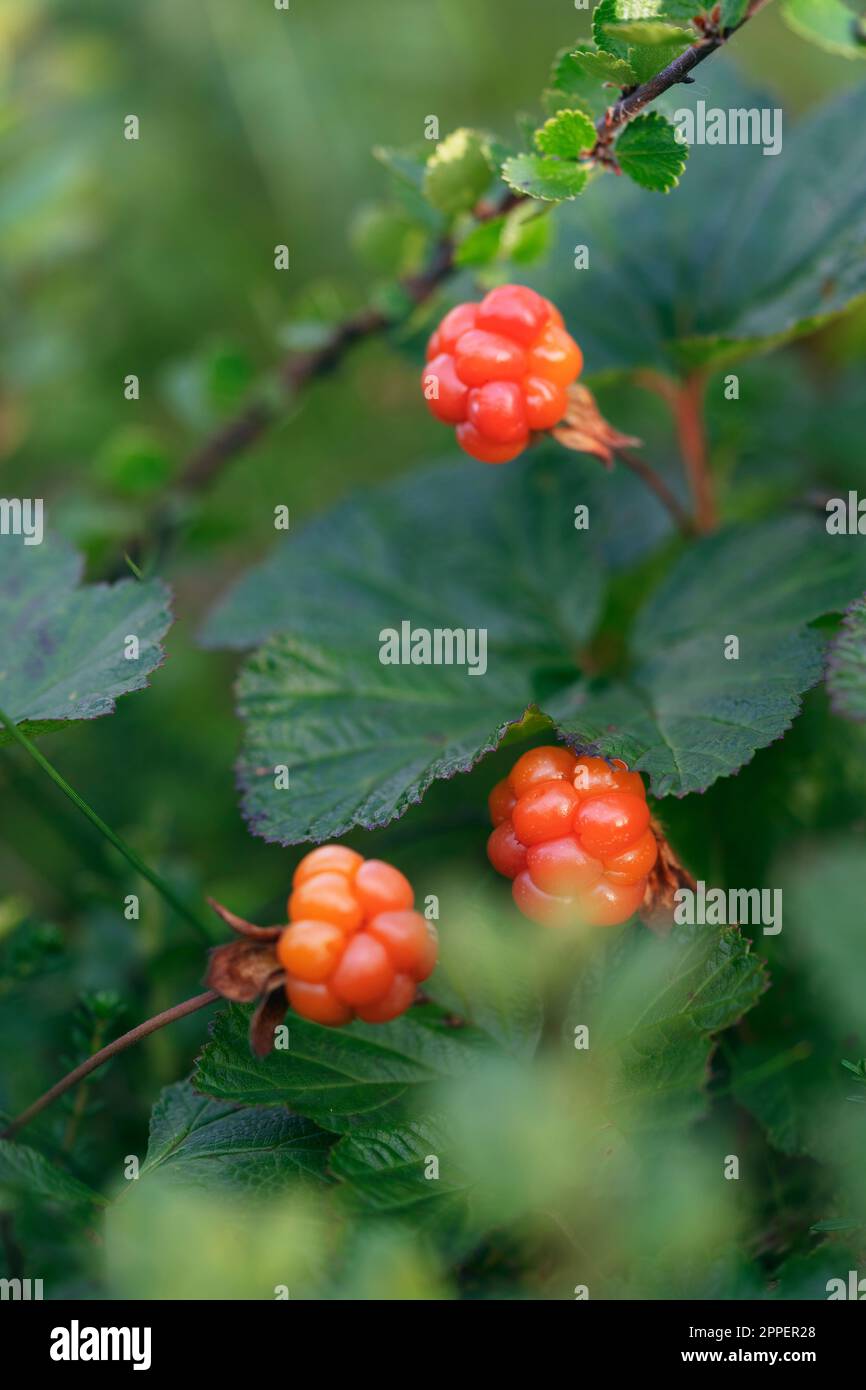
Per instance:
{"type": "Point", "coordinates": [189, 1006]}
{"type": "Point", "coordinates": [633, 102]}
{"type": "Point", "coordinates": [113, 838]}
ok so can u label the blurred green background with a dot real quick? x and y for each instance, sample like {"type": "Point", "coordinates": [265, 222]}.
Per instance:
{"type": "Point", "coordinates": [156, 258]}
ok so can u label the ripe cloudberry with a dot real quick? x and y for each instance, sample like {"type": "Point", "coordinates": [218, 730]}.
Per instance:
{"type": "Point", "coordinates": [574, 834]}
{"type": "Point", "coordinates": [500, 370]}
{"type": "Point", "coordinates": [354, 946]}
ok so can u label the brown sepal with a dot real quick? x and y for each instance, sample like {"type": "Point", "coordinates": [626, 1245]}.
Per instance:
{"type": "Point", "coordinates": [585, 429]}
{"type": "Point", "coordinates": [268, 1015]}
{"type": "Point", "coordinates": [666, 877]}
{"type": "Point", "coordinates": [240, 924]}
{"type": "Point", "coordinates": [240, 970]}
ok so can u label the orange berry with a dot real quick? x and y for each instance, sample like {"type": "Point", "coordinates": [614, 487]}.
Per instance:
{"type": "Point", "coordinates": [410, 940]}
{"type": "Point", "coordinates": [515, 311]}
{"type": "Point", "coordinates": [607, 904]}
{"type": "Point", "coordinates": [504, 850]}
{"type": "Point", "coordinates": [545, 812]}
{"type": "Point", "coordinates": [562, 867]}
{"type": "Point", "coordinates": [501, 801]}
{"type": "Point", "coordinates": [327, 898]}
{"type": "Point", "coordinates": [317, 1002]}
{"type": "Point", "coordinates": [544, 908]}
{"type": "Point", "coordinates": [634, 863]}
{"type": "Point", "coordinates": [594, 775]}
{"type": "Point", "coordinates": [310, 950]}
{"type": "Point", "coordinates": [481, 357]}
{"type": "Point", "coordinates": [554, 355]}
{"type": "Point", "coordinates": [328, 859]}
{"type": "Point", "coordinates": [395, 1002]}
{"type": "Point", "coordinates": [379, 887]}
{"type": "Point", "coordinates": [608, 823]}
{"type": "Point", "coordinates": [498, 412]}
{"type": "Point", "coordinates": [365, 972]}
{"type": "Point", "coordinates": [546, 764]}
{"type": "Point", "coordinates": [475, 444]}
{"type": "Point", "coordinates": [553, 314]}
{"type": "Point", "coordinates": [546, 402]}
{"type": "Point", "coordinates": [455, 323]}
{"type": "Point", "coordinates": [446, 395]}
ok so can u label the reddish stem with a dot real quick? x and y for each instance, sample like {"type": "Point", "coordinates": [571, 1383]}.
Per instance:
{"type": "Point", "coordinates": [189, 1006]}
{"type": "Point", "coordinates": [689, 414]}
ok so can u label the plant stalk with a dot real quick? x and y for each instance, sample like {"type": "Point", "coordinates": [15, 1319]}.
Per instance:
{"type": "Point", "coordinates": [189, 1006]}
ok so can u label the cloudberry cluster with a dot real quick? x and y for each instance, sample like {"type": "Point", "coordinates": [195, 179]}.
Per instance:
{"type": "Point", "coordinates": [353, 946]}
{"type": "Point", "coordinates": [499, 370]}
{"type": "Point", "coordinates": [574, 834]}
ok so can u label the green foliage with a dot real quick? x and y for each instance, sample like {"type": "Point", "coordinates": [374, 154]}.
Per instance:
{"type": "Point", "coordinates": [846, 676]}
{"type": "Point", "coordinates": [385, 1170]}
{"type": "Point", "coordinates": [649, 152]}
{"type": "Point", "coordinates": [458, 172]}
{"type": "Point", "coordinates": [543, 176]}
{"type": "Point", "coordinates": [831, 24]}
{"type": "Point", "coordinates": [332, 1076]}
{"type": "Point", "coordinates": [201, 1143]}
{"type": "Point", "coordinates": [715, 298]}
{"type": "Point", "coordinates": [604, 66]}
{"type": "Point", "coordinates": [639, 34]}
{"type": "Point", "coordinates": [568, 134]}
{"type": "Point", "coordinates": [686, 714]}
{"type": "Point", "coordinates": [657, 1008]}
{"type": "Point", "coordinates": [69, 657]}
{"type": "Point", "coordinates": [26, 1176]}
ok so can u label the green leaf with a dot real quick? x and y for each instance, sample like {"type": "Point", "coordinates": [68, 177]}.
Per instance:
{"type": "Point", "coordinates": [696, 286]}
{"type": "Point", "coordinates": [831, 24]}
{"type": "Point", "coordinates": [335, 1076]}
{"type": "Point", "coordinates": [542, 176]}
{"type": "Point", "coordinates": [688, 715]}
{"type": "Point", "coordinates": [26, 1174]}
{"type": "Point", "coordinates": [568, 134]}
{"type": "Point", "coordinates": [253, 1151]}
{"type": "Point", "coordinates": [824, 891]}
{"type": "Point", "coordinates": [604, 20]}
{"type": "Point", "coordinates": [385, 238]}
{"type": "Point", "coordinates": [363, 740]}
{"type": "Point", "coordinates": [458, 172]}
{"type": "Point", "coordinates": [733, 12]}
{"type": "Point", "coordinates": [605, 67]}
{"type": "Point", "coordinates": [653, 34]}
{"type": "Point", "coordinates": [61, 645]}
{"type": "Point", "coordinates": [783, 1088]}
{"type": "Point", "coordinates": [386, 1170]}
{"type": "Point", "coordinates": [571, 85]}
{"type": "Point", "coordinates": [650, 153]}
{"type": "Point", "coordinates": [409, 166]}
{"type": "Point", "coordinates": [846, 672]}
{"type": "Point", "coordinates": [481, 246]}
{"type": "Point", "coordinates": [655, 1010]}
{"type": "Point", "coordinates": [527, 235]}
